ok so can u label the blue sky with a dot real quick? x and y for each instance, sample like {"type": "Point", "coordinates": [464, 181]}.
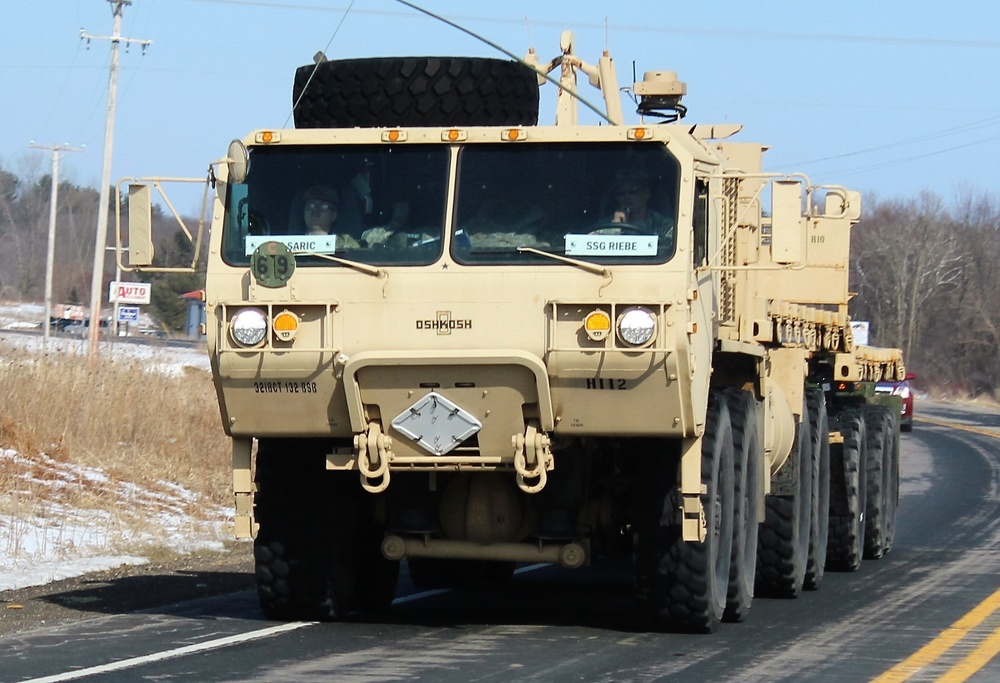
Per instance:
{"type": "Point", "coordinates": [888, 97]}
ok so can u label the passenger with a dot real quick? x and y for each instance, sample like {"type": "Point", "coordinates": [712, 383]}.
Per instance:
{"type": "Point", "coordinates": [631, 207]}
{"type": "Point", "coordinates": [320, 214]}
{"type": "Point", "coordinates": [320, 210]}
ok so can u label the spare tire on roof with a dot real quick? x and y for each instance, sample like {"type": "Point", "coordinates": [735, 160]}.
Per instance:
{"type": "Point", "coordinates": [414, 91]}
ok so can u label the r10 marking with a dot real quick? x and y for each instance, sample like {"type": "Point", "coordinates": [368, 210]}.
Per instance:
{"type": "Point", "coordinates": [609, 384]}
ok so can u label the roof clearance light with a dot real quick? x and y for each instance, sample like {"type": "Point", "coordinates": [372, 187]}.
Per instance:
{"type": "Point", "coordinates": [286, 325]}
{"type": "Point", "coordinates": [248, 327]}
{"type": "Point", "coordinates": [267, 136]}
{"type": "Point", "coordinates": [393, 136]}
{"type": "Point", "coordinates": [639, 134]}
{"type": "Point", "coordinates": [597, 325]}
{"type": "Point", "coordinates": [454, 135]}
{"type": "Point", "coordinates": [636, 326]}
{"type": "Point", "coordinates": [513, 135]}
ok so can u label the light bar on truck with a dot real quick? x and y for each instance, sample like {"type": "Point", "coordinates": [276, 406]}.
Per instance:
{"type": "Point", "coordinates": [454, 135]}
{"type": "Point", "coordinates": [513, 135]}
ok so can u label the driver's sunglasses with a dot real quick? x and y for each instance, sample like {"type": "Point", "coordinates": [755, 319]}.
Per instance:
{"type": "Point", "coordinates": [320, 206]}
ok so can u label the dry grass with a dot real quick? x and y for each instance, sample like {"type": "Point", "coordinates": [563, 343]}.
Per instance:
{"type": "Point", "coordinates": [115, 439]}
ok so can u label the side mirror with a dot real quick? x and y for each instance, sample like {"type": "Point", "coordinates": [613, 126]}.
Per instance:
{"type": "Point", "coordinates": [237, 161]}
{"type": "Point", "coordinates": [788, 225]}
{"type": "Point", "coordinates": [140, 226]}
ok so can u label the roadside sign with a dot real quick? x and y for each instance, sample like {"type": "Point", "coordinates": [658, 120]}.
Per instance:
{"type": "Point", "coordinates": [128, 314]}
{"type": "Point", "coordinates": [860, 330]}
{"type": "Point", "coordinates": [129, 292]}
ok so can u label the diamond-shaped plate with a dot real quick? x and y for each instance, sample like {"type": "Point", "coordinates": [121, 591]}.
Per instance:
{"type": "Point", "coordinates": [436, 423]}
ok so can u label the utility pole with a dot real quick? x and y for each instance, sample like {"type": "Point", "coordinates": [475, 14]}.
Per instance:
{"type": "Point", "coordinates": [97, 282]}
{"type": "Point", "coordinates": [51, 250]}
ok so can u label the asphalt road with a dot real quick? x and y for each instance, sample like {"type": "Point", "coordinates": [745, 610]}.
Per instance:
{"type": "Point", "coordinates": [930, 610]}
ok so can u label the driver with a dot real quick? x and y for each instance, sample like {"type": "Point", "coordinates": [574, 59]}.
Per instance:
{"type": "Point", "coordinates": [630, 199]}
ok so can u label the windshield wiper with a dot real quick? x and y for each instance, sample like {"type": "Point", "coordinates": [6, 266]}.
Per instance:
{"type": "Point", "coordinates": [357, 265]}
{"type": "Point", "coordinates": [586, 265]}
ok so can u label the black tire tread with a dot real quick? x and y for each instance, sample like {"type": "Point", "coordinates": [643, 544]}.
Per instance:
{"type": "Point", "coordinates": [414, 91]}
{"type": "Point", "coordinates": [820, 528]}
{"type": "Point", "coordinates": [845, 544]}
{"type": "Point", "coordinates": [783, 542]}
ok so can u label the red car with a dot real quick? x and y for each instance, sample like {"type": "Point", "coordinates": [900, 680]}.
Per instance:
{"type": "Point", "coordinates": [905, 392]}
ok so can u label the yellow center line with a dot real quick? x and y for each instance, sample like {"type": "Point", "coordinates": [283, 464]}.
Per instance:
{"type": "Point", "coordinates": [956, 425]}
{"type": "Point", "coordinates": [933, 650]}
{"type": "Point", "coordinates": [947, 639]}
{"type": "Point", "coordinates": [975, 661]}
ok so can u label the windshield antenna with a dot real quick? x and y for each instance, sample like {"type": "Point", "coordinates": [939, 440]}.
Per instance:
{"type": "Point", "coordinates": [319, 58]}
{"type": "Point", "coordinates": [496, 47]}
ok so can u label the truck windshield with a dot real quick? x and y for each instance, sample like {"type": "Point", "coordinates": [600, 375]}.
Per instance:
{"type": "Point", "coordinates": [374, 204]}
{"type": "Point", "coordinates": [610, 203]}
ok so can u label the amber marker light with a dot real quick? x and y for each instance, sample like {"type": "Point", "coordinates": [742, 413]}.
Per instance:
{"type": "Point", "coordinates": [454, 135]}
{"type": "Point", "coordinates": [393, 136]}
{"type": "Point", "coordinates": [285, 325]}
{"type": "Point", "coordinates": [513, 135]}
{"type": "Point", "coordinates": [640, 134]}
{"type": "Point", "coordinates": [597, 325]}
{"type": "Point", "coordinates": [267, 136]}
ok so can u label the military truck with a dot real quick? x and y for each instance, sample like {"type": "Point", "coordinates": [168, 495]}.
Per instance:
{"type": "Point", "coordinates": [506, 342]}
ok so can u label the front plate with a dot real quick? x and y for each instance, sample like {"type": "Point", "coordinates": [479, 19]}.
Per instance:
{"type": "Point", "coordinates": [436, 423]}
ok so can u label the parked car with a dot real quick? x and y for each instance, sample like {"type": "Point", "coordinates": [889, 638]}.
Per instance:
{"type": "Point", "coordinates": [905, 392]}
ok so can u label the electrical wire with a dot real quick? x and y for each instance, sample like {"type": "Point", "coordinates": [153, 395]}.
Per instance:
{"type": "Point", "coordinates": [305, 87]}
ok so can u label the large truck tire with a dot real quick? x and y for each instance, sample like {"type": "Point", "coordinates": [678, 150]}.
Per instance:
{"type": "Point", "coordinates": [848, 492]}
{"type": "Point", "coordinates": [892, 488]}
{"type": "Point", "coordinates": [819, 532]}
{"type": "Point", "coordinates": [317, 552]}
{"type": "Point", "coordinates": [749, 470]}
{"type": "Point", "coordinates": [685, 583]}
{"type": "Point", "coordinates": [414, 91]}
{"type": "Point", "coordinates": [783, 543]}
{"type": "Point", "coordinates": [880, 422]}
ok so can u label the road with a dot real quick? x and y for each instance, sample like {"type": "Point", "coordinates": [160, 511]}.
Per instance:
{"type": "Point", "coordinates": [931, 608]}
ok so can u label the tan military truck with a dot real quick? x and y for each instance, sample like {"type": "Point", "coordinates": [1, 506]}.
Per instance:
{"type": "Point", "coordinates": [445, 334]}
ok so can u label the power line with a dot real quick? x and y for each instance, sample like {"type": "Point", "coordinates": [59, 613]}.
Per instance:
{"type": "Point", "coordinates": [642, 28]}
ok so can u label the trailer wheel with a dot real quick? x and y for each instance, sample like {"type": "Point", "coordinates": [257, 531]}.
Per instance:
{"type": "Point", "coordinates": [820, 529]}
{"type": "Point", "coordinates": [848, 493]}
{"type": "Point", "coordinates": [689, 581]}
{"type": "Point", "coordinates": [783, 545]}
{"type": "Point", "coordinates": [748, 463]}
{"type": "Point", "coordinates": [880, 423]}
{"type": "Point", "coordinates": [316, 537]}
{"type": "Point", "coordinates": [892, 489]}
{"type": "Point", "coordinates": [414, 91]}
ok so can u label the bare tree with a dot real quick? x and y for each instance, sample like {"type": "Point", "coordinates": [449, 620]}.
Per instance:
{"type": "Point", "coordinates": [905, 255]}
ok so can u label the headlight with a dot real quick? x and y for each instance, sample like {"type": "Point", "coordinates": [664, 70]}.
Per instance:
{"type": "Point", "coordinates": [636, 326]}
{"type": "Point", "coordinates": [249, 327]}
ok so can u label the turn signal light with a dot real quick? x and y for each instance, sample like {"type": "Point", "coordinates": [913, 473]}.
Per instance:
{"type": "Point", "coordinates": [285, 325]}
{"type": "Point", "coordinates": [597, 325]}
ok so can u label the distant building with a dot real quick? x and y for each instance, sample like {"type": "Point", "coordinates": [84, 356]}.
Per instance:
{"type": "Point", "coordinates": [196, 320]}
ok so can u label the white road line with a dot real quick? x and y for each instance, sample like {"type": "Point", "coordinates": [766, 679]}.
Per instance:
{"type": "Point", "coordinates": [169, 654]}
{"type": "Point", "coordinates": [222, 642]}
